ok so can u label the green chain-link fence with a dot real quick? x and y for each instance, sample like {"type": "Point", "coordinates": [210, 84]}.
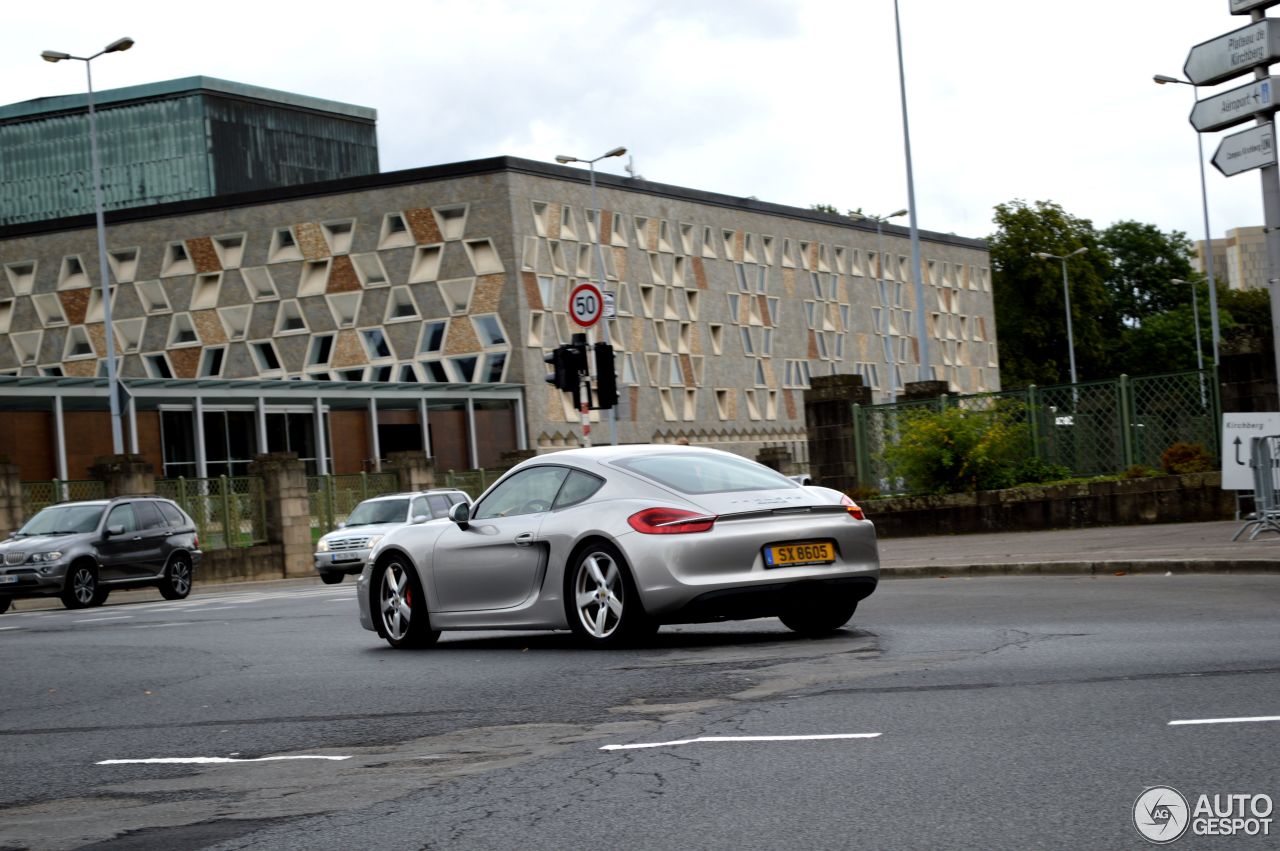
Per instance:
{"type": "Point", "coordinates": [473, 482]}
{"type": "Point", "coordinates": [38, 495]}
{"type": "Point", "coordinates": [333, 498]}
{"type": "Point", "coordinates": [229, 511]}
{"type": "Point", "coordinates": [1092, 428]}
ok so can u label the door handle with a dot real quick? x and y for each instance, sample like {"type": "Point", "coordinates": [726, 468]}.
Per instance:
{"type": "Point", "coordinates": [524, 539]}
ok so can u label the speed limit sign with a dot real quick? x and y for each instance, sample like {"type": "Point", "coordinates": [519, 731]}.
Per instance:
{"type": "Point", "coordinates": [586, 304]}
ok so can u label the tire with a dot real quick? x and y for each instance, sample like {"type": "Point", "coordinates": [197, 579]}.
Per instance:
{"type": "Point", "coordinates": [402, 607]}
{"type": "Point", "coordinates": [4, 604]}
{"type": "Point", "coordinates": [815, 616]}
{"type": "Point", "coordinates": [176, 584]}
{"type": "Point", "coordinates": [601, 602]}
{"type": "Point", "coordinates": [329, 578]}
{"type": "Point", "coordinates": [82, 590]}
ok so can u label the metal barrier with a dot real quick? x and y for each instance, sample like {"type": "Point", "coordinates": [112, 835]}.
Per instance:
{"type": "Point", "coordinates": [333, 498]}
{"type": "Point", "coordinates": [1091, 428]}
{"type": "Point", "coordinates": [1264, 459]}
{"type": "Point", "coordinates": [38, 495]}
{"type": "Point", "coordinates": [228, 511]}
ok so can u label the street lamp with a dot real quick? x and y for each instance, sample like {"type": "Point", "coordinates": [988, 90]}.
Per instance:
{"type": "Point", "coordinates": [1161, 79]}
{"type": "Point", "coordinates": [1066, 297]}
{"type": "Point", "coordinates": [1195, 317]}
{"type": "Point", "coordinates": [117, 436]}
{"type": "Point", "coordinates": [591, 167]}
{"type": "Point", "coordinates": [880, 220]}
{"type": "Point", "coordinates": [926, 371]}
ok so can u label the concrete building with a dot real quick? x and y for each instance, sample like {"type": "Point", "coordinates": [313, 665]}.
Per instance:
{"type": "Point", "coordinates": [412, 310]}
{"type": "Point", "coordinates": [1239, 258]}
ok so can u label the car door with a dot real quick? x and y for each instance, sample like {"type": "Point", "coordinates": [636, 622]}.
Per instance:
{"type": "Point", "coordinates": [153, 530]}
{"type": "Point", "coordinates": [117, 552]}
{"type": "Point", "coordinates": [498, 559]}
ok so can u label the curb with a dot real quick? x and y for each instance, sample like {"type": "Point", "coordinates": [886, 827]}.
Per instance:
{"type": "Point", "coordinates": [1084, 568]}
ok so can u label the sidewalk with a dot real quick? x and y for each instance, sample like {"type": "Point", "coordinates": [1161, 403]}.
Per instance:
{"type": "Point", "coordinates": [1162, 548]}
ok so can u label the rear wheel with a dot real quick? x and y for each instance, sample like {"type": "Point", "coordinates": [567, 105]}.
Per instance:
{"type": "Point", "coordinates": [331, 578]}
{"type": "Point", "coordinates": [402, 607]}
{"type": "Point", "coordinates": [176, 583]}
{"type": "Point", "coordinates": [81, 589]}
{"type": "Point", "coordinates": [604, 609]}
{"type": "Point", "coordinates": [814, 616]}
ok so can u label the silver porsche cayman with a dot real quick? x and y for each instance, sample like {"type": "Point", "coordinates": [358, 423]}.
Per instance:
{"type": "Point", "coordinates": [613, 541]}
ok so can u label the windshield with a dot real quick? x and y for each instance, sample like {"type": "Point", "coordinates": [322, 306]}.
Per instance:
{"type": "Point", "coordinates": [64, 519]}
{"type": "Point", "coordinates": [379, 511]}
{"type": "Point", "coordinates": [698, 472]}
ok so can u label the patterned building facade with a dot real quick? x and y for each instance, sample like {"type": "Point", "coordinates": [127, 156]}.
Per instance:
{"type": "Point", "coordinates": [456, 278]}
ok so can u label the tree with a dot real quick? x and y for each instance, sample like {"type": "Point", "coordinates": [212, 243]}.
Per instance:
{"type": "Point", "coordinates": [1145, 262]}
{"type": "Point", "coordinates": [1029, 301]}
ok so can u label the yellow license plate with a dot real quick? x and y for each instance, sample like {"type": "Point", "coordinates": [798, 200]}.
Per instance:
{"type": "Point", "coordinates": [787, 555]}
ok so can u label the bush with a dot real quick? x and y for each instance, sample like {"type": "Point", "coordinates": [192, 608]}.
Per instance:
{"type": "Point", "coordinates": [1137, 471]}
{"type": "Point", "coordinates": [957, 450]}
{"type": "Point", "coordinates": [1033, 471]}
{"type": "Point", "coordinates": [1187, 458]}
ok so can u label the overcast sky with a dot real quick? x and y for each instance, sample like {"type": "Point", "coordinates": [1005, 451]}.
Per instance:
{"type": "Point", "coordinates": [790, 101]}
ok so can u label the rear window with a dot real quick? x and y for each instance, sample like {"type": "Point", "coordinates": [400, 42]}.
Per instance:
{"type": "Point", "coordinates": [172, 514]}
{"type": "Point", "coordinates": [693, 472]}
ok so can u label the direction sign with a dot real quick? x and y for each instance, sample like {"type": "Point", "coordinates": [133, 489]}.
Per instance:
{"type": "Point", "coordinates": [1238, 431]}
{"type": "Point", "coordinates": [1236, 106]}
{"type": "Point", "coordinates": [1233, 54]}
{"type": "Point", "coordinates": [586, 304]}
{"type": "Point", "coordinates": [1244, 7]}
{"type": "Point", "coordinates": [1253, 148]}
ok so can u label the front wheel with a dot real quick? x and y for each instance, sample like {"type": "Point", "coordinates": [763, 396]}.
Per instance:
{"type": "Point", "coordinates": [176, 584]}
{"type": "Point", "coordinates": [329, 578]}
{"type": "Point", "coordinates": [604, 609]}
{"type": "Point", "coordinates": [402, 607]}
{"type": "Point", "coordinates": [81, 590]}
{"type": "Point", "coordinates": [815, 616]}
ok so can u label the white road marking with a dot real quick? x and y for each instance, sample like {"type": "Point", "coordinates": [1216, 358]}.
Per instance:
{"type": "Point", "coordinates": [100, 620]}
{"type": "Point", "coordinates": [1224, 720]}
{"type": "Point", "coordinates": [825, 736]}
{"type": "Point", "coordinates": [206, 760]}
{"type": "Point", "coordinates": [161, 625]}
{"type": "Point", "coordinates": [3, 628]}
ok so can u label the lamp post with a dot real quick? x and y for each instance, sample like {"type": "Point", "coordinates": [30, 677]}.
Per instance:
{"type": "Point", "coordinates": [117, 436]}
{"type": "Point", "coordinates": [591, 168]}
{"type": "Point", "coordinates": [1195, 318]}
{"type": "Point", "coordinates": [880, 220]}
{"type": "Point", "coordinates": [1214, 334]}
{"type": "Point", "coordinates": [1066, 297]}
{"type": "Point", "coordinates": [926, 371]}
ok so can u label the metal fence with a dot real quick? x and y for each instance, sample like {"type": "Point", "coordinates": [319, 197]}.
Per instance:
{"type": "Point", "coordinates": [333, 498]}
{"type": "Point", "coordinates": [473, 482]}
{"type": "Point", "coordinates": [229, 511]}
{"type": "Point", "coordinates": [1092, 428]}
{"type": "Point", "coordinates": [38, 495]}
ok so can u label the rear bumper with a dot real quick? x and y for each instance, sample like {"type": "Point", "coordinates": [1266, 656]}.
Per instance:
{"type": "Point", "coordinates": [765, 600]}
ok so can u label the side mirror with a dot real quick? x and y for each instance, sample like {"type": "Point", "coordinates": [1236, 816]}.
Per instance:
{"type": "Point", "coordinates": [342, 524]}
{"type": "Point", "coordinates": [460, 513]}
{"type": "Point", "coordinates": [419, 518]}
{"type": "Point", "coordinates": [115, 530]}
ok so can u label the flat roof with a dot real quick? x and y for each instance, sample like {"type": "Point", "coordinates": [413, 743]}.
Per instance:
{"type": "Point", "coordinates": [168, 89]}
{"type": "Point", "coordinates": [472, 168]}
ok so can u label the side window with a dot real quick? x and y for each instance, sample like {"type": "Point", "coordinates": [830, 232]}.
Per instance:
{"type": "Point", "coordinates": [439, 504]}
{"type": "Point", "coordinates": [148, 516]}
{"type": "Point", "coordinates": [171, 514]}
{"type": "Point", "coordinates": [122, 515]}
{"type": "Point", "coordinates": [421, 508]}
{"type": "Point", "coordinates": [529, 491]}
{"type": "Point", "coordinates": [577, 488]}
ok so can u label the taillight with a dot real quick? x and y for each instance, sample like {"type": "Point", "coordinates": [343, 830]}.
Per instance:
{"type": "Point", "coordinates": [195, 541]}
{"type": "Point", "coordinates": [852, 507]}
{"type": "Point", "coordinates": [670, 521]}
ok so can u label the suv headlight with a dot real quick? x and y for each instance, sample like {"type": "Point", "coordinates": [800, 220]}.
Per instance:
{"type": "Point", "coordinates": [373, 541]}
{"type": "Point", "coordinates": [323, 546]}
{"type": "Point", "coordinates": [40, 558]}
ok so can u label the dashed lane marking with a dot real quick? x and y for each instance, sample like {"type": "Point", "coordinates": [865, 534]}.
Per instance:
{"type": "Point", "coordinates": [1251, 720]}
{"type": "Point", "coordinates": [821, 737]}
{"type": "Point", "coordinates": [208, 760]}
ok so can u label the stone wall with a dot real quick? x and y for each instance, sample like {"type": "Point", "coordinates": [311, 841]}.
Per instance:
{"type": "Point", "coordinates": [1162, 499]}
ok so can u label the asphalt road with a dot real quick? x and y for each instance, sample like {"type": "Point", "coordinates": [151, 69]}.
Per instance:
{"type": "Point", "coordinates": [1008, 713]}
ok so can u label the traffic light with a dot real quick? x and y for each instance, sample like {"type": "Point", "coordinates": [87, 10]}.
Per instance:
{"type": "Point", "coordinates": [564, 376]}
{"type": "Point", "coordinates": [606, 380]}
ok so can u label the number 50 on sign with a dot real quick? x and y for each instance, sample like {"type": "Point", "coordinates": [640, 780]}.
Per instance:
{"type": "Point", "coordinates": [586, 304]}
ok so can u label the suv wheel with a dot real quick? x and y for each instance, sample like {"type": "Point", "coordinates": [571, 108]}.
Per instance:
{"type": "Point", "coordinates": [81, 590]}
{"type": "Point", "coordinates": [4, 604]}
{"type": "Point", "coordinates": [330, 578]}
{"type": "Point", "coordinates": [176, 584]}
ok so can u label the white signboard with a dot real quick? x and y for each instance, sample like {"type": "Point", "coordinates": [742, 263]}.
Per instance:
{"type": "Point", "coordinates": [1252, 148]}
{"type": "Point", "coordinates": [1238, 431]}
{"type": "Point", "coordinates": [1244, 7]}
{"type": "Point", "coordinates": [1235, 106]}
{"type": "Point", "coordinates": [1233, 54]}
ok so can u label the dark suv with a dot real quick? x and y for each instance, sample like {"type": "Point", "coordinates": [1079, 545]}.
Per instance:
{"type": "Point", "coordinates": [79, 551]}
